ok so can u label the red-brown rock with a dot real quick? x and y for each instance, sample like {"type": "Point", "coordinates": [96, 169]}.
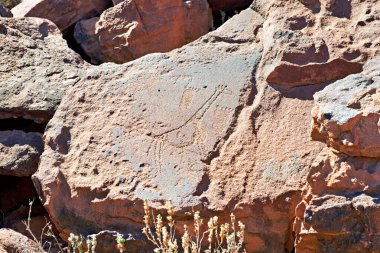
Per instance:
{"type": "Point", "coordinates": [64, 13]}
{"type": "Point", "coordinates": [194, 126]}
{"type": "Point", "coordinates": [347, 113]}
{"type": "Point", "coordinates": [340, 210]}
{"type": "Point", "coordinates": [36, 68]}
{"type": "Point", "coordinates": [11, 241]}
{"type": "Point", "coordinates": [311, 42]}
{"type": "Point", "coordinates": [132, 29]}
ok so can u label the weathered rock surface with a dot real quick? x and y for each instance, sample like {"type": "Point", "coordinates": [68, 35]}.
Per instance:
{"type": "Point", "coordinates": [347, 113]}
{"type": "Point", "coordinates": [225, 5]}
{"type": "Point", "coordinates": [63, 13]}
{"type": "Point", "coordinates": [133, 133]}
{"type": "Point", "coordinates": [340, 210]}
{"type": "Point", "coordinates": [310, 42]}
{"type": "Point", "coordinates": [4, 12]}
{"type": "Point", "coordinates": [11, 241]}
{"type": "Point", "coordinates": [19, 153]}
{"type": "Point", "coordinates": [192, 126]}
{"type": "Point", "coordinates": [36, 68]}
{"type": "Point", "coordinates": [132, 29]}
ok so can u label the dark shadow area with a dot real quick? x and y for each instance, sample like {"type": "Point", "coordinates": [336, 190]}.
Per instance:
{"type": "Point", "coordinates": [72, 43]}
{"type": "Point", "coordinates": [342, 9]}
{"type": "Point", "coordinates": [220, 17]}
{"type": "Point", "coordinates": [15, 194]}
{"type": "Point", "coordinates": [302, 92]}
{"type": "Point", "coordinates": [26, 125]}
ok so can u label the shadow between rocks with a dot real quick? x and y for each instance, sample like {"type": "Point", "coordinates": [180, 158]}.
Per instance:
{"type": "Point", "coordinates": [302, 92]}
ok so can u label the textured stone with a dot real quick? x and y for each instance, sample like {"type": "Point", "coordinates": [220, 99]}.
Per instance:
{"type": "Point", "coordinates": [36, 68]}
{"type": "Point", "coordinates": [192, 126]}
{"type": "Point", "coordinates": [63, 13]}
{"type": "Point", "coordinates": [310, 42]}
{"type": "Point", "coordinates": [340, 210]}
{"type": "Point", "coordinates": [11, 241]}
{"type": "Point", "coordinates": [4, 12]}
{"type": "Point", "coordinates": [132, 29]}
{"type": "Point", "coordinates": [19, 153]}
{"type": "Point", "coordinates": [347, 113]}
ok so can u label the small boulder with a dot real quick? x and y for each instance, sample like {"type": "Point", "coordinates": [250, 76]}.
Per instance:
{"type": "Point", "coordinates": [347, 113]}
{"type": "Point", "coordinates": [37, 67]}
{"type": "Point", "coordinates": [64, 13]}
{"type": "Point", "coordinates": [317, 41]}
{"type": "Point", "coordinates": [19, 153]}
{"type": "Point", "coordinates": [11, 241]}
{"type": "Point", "coordinates": [132, 29]}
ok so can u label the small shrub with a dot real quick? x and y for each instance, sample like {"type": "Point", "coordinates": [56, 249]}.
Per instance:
{"type": "Point", "coordinates": [224, 238]}
{"type": "Point", "coordinates": [47, 238]}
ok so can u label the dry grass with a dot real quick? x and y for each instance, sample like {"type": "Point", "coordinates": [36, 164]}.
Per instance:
{"type": "Point", "coordinates": [161, 231]}
{"type": "Point", "coordinates": [223, 238]}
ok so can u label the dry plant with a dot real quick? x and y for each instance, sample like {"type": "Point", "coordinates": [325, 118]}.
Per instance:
{"type": "Point", "coordinates": [47, 233]}
{"type": "Point", "coordinates": [224, 238]}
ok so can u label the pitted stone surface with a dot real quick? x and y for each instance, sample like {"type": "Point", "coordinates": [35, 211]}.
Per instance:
{"type": "Point", "coordinates": [317, 41]}
{"type": "Point", "coordinates": [19, 153]}
{"type": "Point", "coordinates": [145, 130]}
{"type": "Point", "coordinates": [63, 13]}
{"type": "Point", "coordinates": [36, 68]}
{"type": "Point", "coordinates": [132, 29]}
{"type": "Point", "coordinates": [340, 204]}
{"type": "Point", "coordinates": [347, 113]}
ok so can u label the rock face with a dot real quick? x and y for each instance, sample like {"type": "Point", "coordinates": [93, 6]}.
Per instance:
{"type": "Point", "coordinates": [347, 113]}
{"type": "Point", "coordinates": [4, 12]}
{"type": "Point", "coordinates": [219, 125]}
{"type": "Point", "coordinates": [194, 126]}
{"type": "Point", "coordinates": [19, 153]}
{"type": "Point", "coordinates": [340, 209]}
{"type": "Point", "coordinates": [36, 68]}
{"type": "Point", "coordinates": [301, 48]}
{"type": "Point", "coordinates": [63, 13]}
{"type": "Point", "coordinates": [143, 27]}
{"type": "Point", "coordinates": [11, 241]}
{"type": "Point", "coordinates": [130, 134]}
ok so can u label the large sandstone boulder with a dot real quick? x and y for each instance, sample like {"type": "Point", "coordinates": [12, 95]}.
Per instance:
{"type": "Point", "coordinates": [347, 113]}
{"type": "Point", "coordinates": [132, 29]}
{"type": "Point", "coordinates": [310, 42]}
{"type": "Point", "coordinates": [19, 153]}
{"type": "Point", "coordinates": [36, 68]}
{"type": "Point", "coordinates": [63, 13]}
{"type": "Point", "coordinates": [11, 241]}
{"type": "Point", "coordinates": [193, 126]}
